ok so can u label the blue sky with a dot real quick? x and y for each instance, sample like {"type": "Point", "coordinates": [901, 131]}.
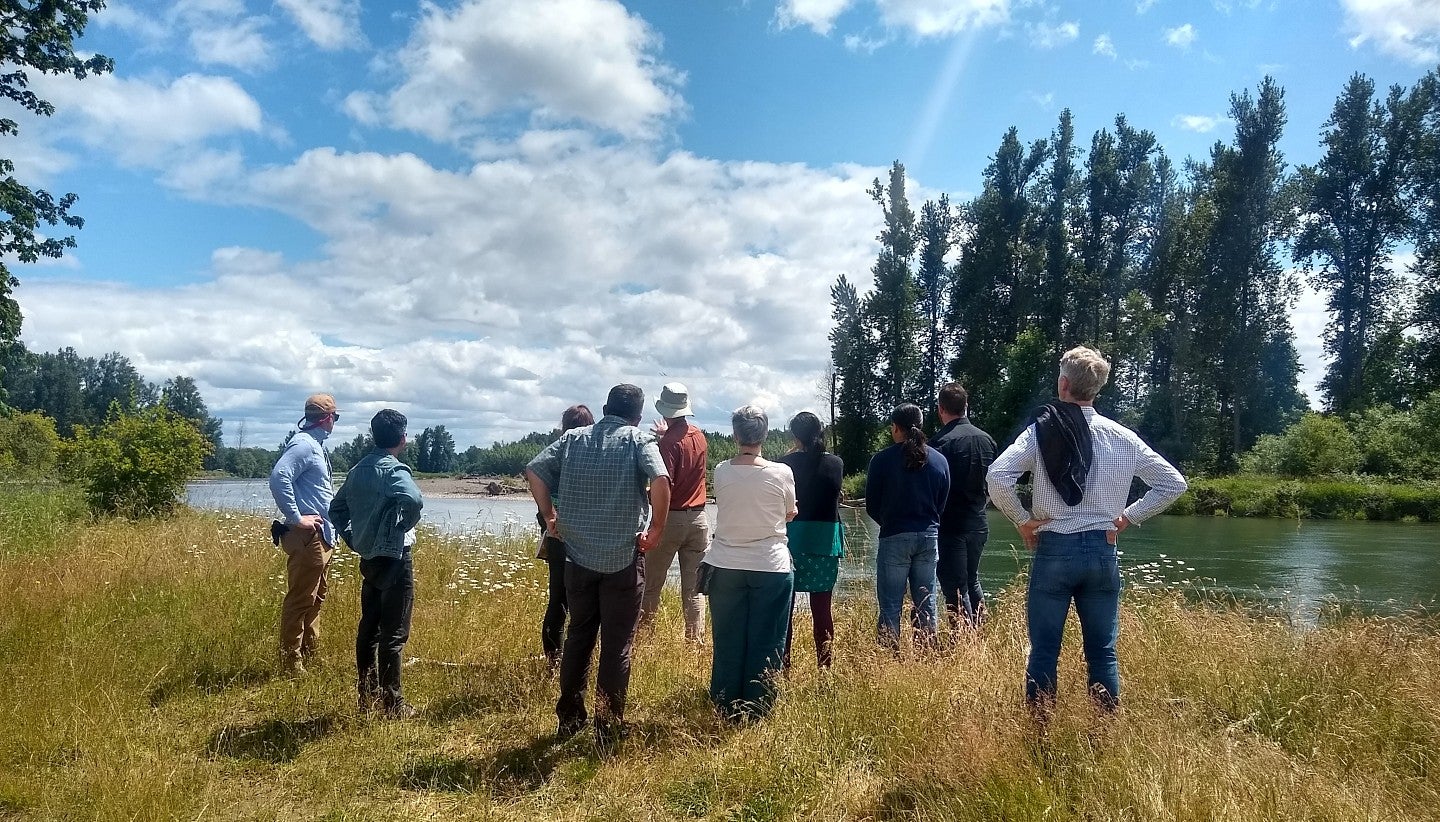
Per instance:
{"type": "Point", "coordinates": [482, 211]}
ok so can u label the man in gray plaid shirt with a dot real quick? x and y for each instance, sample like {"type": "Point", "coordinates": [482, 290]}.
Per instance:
{"type": "Point", "coordinates": [1074, 544]}
{"type": "Point", "coordinates": [599, 475]}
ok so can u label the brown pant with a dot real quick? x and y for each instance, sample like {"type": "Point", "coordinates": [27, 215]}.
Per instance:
{"type": "Point", "coordinates": [687, 533]}
{"type": "Point", "coordinates": [308, 558]}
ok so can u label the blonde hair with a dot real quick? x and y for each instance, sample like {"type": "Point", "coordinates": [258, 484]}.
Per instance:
{"type": "Point", "coordinates": [1086, 370]}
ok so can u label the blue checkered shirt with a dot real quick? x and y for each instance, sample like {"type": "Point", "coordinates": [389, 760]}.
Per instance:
{"type": "Point", "coordinates": [599, 474]}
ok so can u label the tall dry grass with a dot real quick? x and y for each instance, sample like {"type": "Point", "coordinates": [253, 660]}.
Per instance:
{"type": "Point", "coordinates": [137, 663]}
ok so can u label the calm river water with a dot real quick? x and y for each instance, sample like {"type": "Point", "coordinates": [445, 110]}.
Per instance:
{"type": "Point", "coordinates": [1379, 566]}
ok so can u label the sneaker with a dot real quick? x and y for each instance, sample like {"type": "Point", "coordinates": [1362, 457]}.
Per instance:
{"type": "Point", "coordinates": [293, 667]}
{"type": "Point", "coordinates": [568, 728]}
{"type": "Point", "coordinates": [402, 710]}
{"type": "Point", "coordinates": [608, 736]}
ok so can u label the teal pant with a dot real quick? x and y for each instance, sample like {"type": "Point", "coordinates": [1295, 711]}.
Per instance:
{"type": "Point", "coordinates": [749, 616]}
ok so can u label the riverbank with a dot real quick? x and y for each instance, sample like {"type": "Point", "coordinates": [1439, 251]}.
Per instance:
{"type": "Point", "coordinates": [139, 667]}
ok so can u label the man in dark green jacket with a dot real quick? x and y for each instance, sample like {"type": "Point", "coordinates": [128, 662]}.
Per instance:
{"type": "Point", "coordinates": [375, 512]}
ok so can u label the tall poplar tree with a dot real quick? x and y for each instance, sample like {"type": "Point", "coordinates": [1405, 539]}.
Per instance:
{"type": "Point", "coordinates": [892, 307]}
{"type": "Point", "coordinates": [1353, 214]}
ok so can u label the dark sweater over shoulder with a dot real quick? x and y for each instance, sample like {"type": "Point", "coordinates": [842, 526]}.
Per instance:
{"type": "Point", "coordinates": [905, 500]}
{"type": "Point", "coordinates": [817, 485]}
{"type": "Point", "coordinates": [969, 452]}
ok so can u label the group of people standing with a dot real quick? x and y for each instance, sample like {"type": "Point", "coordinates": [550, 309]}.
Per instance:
{"type": "Point", "coordinates": [617, 505]}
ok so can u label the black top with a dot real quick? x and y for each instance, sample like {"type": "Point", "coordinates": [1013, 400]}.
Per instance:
{"type": "Point", "coordinates": [1063, 436]}
{"type": "Point", "coordinates": [969, 451]}
{"type": "Point", "coordinates": [817, 485]}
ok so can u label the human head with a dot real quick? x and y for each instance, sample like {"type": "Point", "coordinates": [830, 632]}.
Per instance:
{"type": "Point", "coordinates": [320, 412]}
{"type": "Point", "coordinates": [807, 430]}
{"type": "Point", "coordinates": [627, 402]}
{"type": "Point", "coordinates": [1083, 372]}
{"type": "Point", "coordinates": [387, 429]}
{"type": "Point", "coordinates": [576, 416]}
{"type": "Point", "coordinates": [674, 401]}
{"type": "Point", "coordinates": [905, 422]}
{"type": "Point", "coordinates": [750, 425]}
{"type": "Point", "coordinates": [953, 400]}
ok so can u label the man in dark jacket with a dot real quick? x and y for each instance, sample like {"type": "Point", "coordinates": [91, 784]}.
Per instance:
{"type": "Point", "coordinates": [375, 512]}
{"type": "Point", "coordinates": [963, 530]}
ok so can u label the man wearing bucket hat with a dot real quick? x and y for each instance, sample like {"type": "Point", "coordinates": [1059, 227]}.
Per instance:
{"type": "Point", "coordinates": [300, 483]}
{"type": "Point", "coordinates": [687, 530]}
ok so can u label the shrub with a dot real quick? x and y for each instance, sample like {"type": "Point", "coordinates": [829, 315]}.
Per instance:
{"type": "Point", "coordinates": [29, 446]}
{"type": "Point", "coordinates": [1317, 445]}
{"type": "Point", "coordinates": [135, 465]}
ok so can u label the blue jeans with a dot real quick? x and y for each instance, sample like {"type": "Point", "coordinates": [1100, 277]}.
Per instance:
{"type": "Point", "coordinates": [959, 574]}
{"type": "Point", "coordinates": [1080, 567]}
{"type": "Point", "coordinates": [749, 617]}
{"type": "Point", "coordinates": [906, 560]}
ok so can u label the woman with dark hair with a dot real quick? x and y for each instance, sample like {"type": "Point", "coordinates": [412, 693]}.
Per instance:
{"type": "Point", "coordinates": [816, 537]}
{"type": "Point", "coordinates": [905, 492]}
{"type": "Point", "coordinates": [552, 550]}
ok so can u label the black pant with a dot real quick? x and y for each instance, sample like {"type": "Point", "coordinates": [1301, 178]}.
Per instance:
{"type": "Point", "coordinates": [607, 605]}
{"type": "Point", "coordinates": [552, 630]}
{"type": "Point", "coordinates": [958, 572]}
{"type": "Point", "coordinates": [387, 595]}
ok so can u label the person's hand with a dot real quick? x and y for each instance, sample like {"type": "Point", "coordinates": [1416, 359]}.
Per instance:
{"type": "Point", "coordinates": [310, 522]}
{"type": "Point", "coordinates": [659, 427]}
{"type": "Point", "coordinates": [1030, 531]}
{"type": "Point", "coordinates": [552, 524]}
{"type": "Point", "coordinates": [1121, 523]}
{"type": "Point", "coordinates": [645, 540]}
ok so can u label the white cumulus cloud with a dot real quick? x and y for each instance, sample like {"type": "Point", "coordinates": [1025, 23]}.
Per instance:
{"type": "Point", "coordinates": [1181, 37]}
{"type": "Point", "coordinates": [1200, 123]}
{"type": "Point", "coordinates": [557, 61]}
{"type": "Point", "coordinates": [819, 15]}
{"type": "Point", "coordinates": [940, 18]}
{"type": "Point", "coordinates": [330, 24]}
{"type": "Point", "coordinates": [489, 299]}
{"type": "Point", "coordinates": [1405, 29]}
{"type": "Point", "coordinates": [1104, 46]}
{"type": "Point", "coordinates": [1046, 35]}
{"type": "Point", "coordinates": [140, 120]}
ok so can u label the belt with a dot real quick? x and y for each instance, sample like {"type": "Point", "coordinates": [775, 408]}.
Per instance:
{"type": "Point", "coordinates": [700, 507]}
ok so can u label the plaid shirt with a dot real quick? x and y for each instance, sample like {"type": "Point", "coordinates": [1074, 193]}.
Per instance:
{"type": "Point", "coordinates": [1120, 454]}
{"type": "Point", "coordinates": [599, 475]}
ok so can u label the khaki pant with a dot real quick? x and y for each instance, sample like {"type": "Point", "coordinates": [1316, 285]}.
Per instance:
{"type": "Point", "coordinates": [687, 533]}
{"type": "Point", "coordinates": [307, 560]}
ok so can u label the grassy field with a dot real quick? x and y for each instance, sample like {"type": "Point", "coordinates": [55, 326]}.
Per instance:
{"type": "Point", "coordinates": [139, 679]}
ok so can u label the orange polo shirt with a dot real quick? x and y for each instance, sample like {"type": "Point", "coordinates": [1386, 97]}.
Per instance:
{"type": "Point", "coordinates": [684, 456]}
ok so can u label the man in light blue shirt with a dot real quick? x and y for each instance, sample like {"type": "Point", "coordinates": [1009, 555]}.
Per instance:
{"type": "Point", "coordinates": [300, 483]}
{"type": "Point", "coordinates": [376, 511]}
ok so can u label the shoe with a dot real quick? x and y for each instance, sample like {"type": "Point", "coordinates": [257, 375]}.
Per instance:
{"type": "Point", "coordinates": [293, 667]}
{"type": "Point", "coordinates": [568, 728]}
{"type": "Point", "coordinates": [402, 710]}
{"type": "Point", "coordinates": [608, 736]}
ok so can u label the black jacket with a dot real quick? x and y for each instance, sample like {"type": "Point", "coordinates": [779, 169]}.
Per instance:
{"type": "Point", "coordinates": [969, 451]}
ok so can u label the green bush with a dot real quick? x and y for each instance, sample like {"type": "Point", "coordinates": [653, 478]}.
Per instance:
{"type": "Point", "coordinates": [1317, 445]}
{"type": "Point", "coordinates": [29, 446]}
{"type": "Point", "coordinates": [135, 465]}
{"type": "Point", "coordinates": [1280, 497]}
{"type": "Point", "coordinates": [853, 486]}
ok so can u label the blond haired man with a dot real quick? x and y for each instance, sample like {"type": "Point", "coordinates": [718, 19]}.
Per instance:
{"type": "Point", "coordinates": [1081, 463]}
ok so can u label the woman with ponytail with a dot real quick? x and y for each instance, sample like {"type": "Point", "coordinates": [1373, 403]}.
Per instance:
{"type": "Point", "coordinates": [905, 492]}
{"type": "Point", "coordinates": [815, 535]}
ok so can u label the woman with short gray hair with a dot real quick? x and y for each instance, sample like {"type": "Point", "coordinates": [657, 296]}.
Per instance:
{"type": "Point", "coordinates": [751, 583]}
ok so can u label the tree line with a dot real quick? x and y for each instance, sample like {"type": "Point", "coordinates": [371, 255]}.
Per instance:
{"type": "Point", "coordinates": [1185, 277]}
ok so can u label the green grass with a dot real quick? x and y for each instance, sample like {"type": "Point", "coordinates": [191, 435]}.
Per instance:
{"type": "Point", "coordinates": [138, 662]}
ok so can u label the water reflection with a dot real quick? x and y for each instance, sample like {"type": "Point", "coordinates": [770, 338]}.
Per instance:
{"type": "Point", "coordinates": [1304, 564]}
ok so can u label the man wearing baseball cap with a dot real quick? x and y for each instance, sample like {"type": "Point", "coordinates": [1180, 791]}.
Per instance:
{"type": "Point", "coordinates": [300, 483]}
{"type": "Point", "coordinates": [687, 530]}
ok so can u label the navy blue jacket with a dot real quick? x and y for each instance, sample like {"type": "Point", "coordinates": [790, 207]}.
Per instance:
{"type": "Point", "coordinates": [906, 500]}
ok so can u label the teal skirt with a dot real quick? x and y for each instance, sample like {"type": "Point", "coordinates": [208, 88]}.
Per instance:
{"type": "Point", "coordinates": [815, 551]}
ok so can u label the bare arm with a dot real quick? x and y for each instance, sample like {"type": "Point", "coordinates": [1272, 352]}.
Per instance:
{"type": "Point", "coordinates": [540, 492]}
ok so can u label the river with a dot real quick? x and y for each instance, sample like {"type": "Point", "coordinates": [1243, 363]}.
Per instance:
{"type": "Point", "coordinates": [1301, 565]}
